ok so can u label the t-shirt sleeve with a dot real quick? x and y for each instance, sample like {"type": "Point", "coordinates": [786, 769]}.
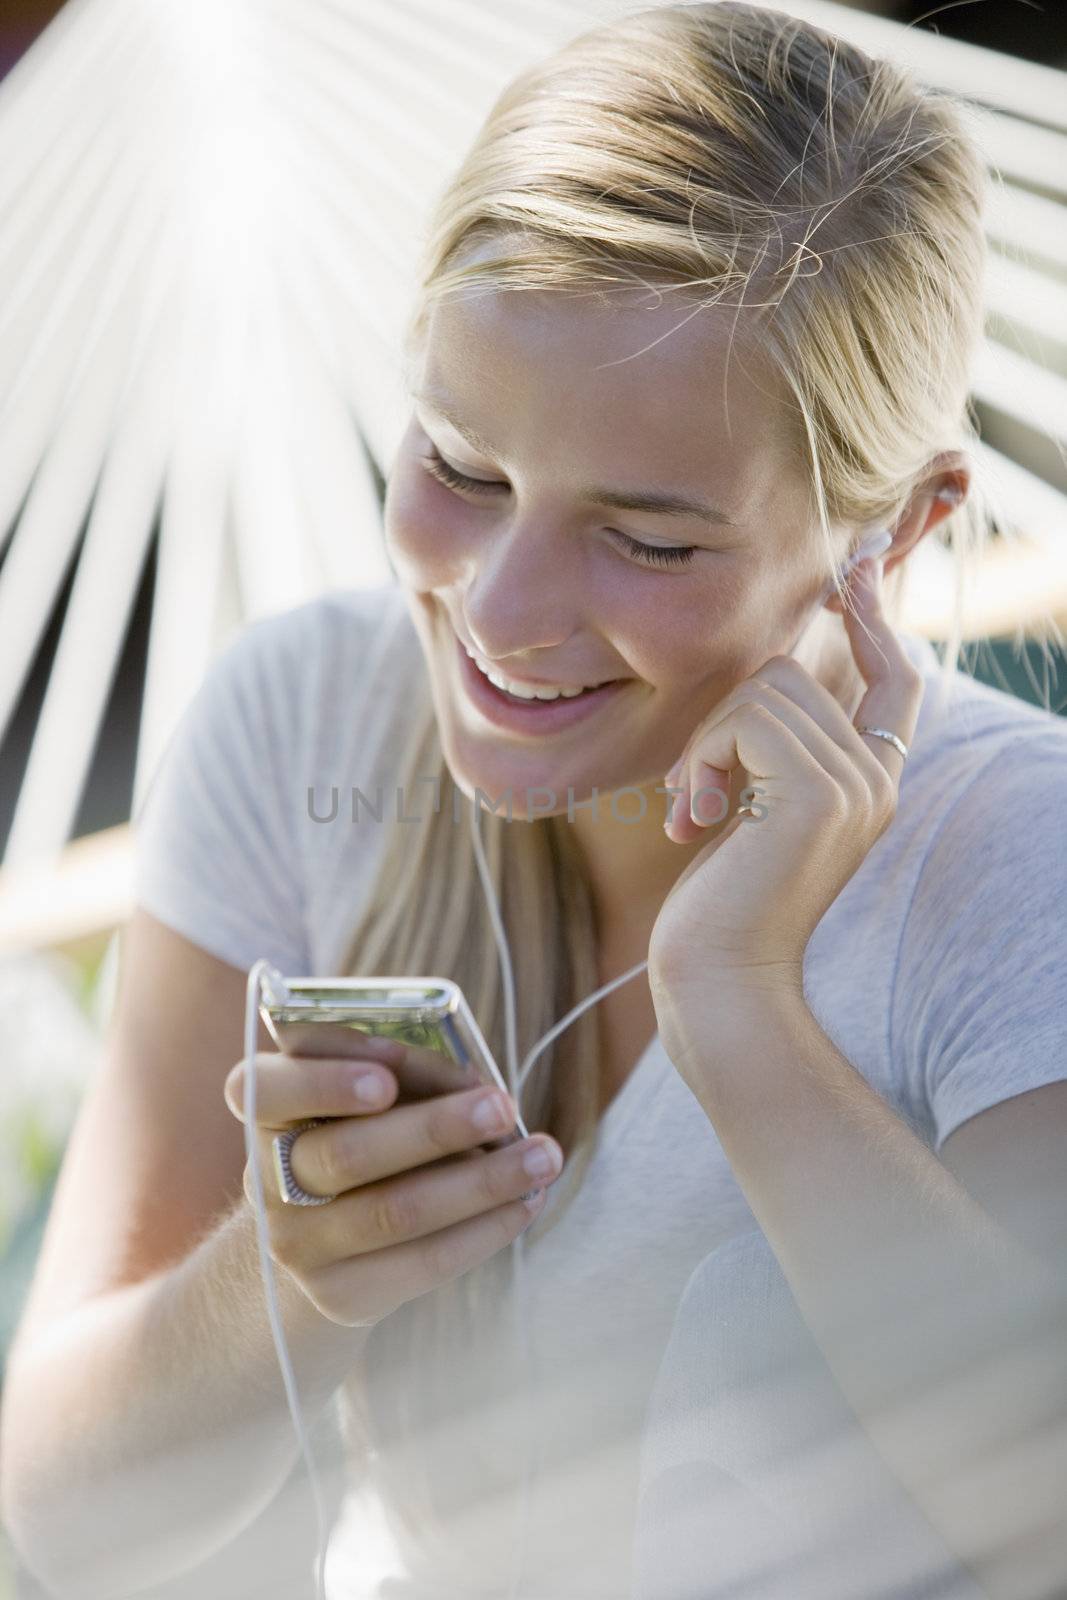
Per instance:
{"type": "Point", "coordinates": [979, 1005]}
{"type": "Point", "coordinates": [214, 850]}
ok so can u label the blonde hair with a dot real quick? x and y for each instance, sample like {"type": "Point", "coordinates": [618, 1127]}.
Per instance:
{"type": "Point", "coordinates": [745, 159]}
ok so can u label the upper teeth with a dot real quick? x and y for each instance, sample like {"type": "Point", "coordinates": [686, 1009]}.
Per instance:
{"type": "Point", "coordinates": [524, 690]}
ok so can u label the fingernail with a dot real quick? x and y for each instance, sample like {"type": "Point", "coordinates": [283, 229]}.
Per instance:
{"type": "Point", "coordinates": [369, 1089]}
{"type": "Point", "coordinates": [489, 1113]}
{"type": "Point", "coordinates": [540, 1161]}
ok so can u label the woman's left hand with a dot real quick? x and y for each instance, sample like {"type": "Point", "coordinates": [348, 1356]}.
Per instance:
{"type": "Point", "coordinates": [747, 905]}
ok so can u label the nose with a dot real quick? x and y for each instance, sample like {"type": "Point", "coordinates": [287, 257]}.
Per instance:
{"type": "Point", "coordinates": [520, 598]}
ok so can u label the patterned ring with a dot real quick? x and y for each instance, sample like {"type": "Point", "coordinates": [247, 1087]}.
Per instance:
{"type": "Point", "coordinates": [288, 1188]}
{"type": "Point", "coordinates": [884, 733]}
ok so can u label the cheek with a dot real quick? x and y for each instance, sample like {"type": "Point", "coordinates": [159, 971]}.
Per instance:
{"type": "Point", "coordinates": [691, 630]}
{"type": "Point", "coordinates": [422, 527]}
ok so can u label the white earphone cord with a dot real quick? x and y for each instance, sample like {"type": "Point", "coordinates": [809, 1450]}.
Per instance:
{"type": "Point", "coordinates": [264, 976]}
{"type": "Point", "coordinates": [875, 544]}
{"type": "Point", "coordinates": [263, 973]}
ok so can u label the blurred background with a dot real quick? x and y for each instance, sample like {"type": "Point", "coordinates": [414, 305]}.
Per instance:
{"type": "Point", "coordinates": [209, 215]}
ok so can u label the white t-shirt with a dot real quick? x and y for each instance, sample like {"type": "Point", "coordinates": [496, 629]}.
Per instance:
{"type": "Point", "coordinates": [935, 973]}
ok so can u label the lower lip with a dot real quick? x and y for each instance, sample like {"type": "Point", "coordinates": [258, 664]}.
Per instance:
{"type": "Point", "coordinates": [529, 716]}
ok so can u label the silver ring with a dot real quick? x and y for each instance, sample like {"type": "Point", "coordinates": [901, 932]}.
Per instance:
{"type": "Point", "coordinates": [884, 733]}
{"type": "Point", "coordinates": [288, 1188]}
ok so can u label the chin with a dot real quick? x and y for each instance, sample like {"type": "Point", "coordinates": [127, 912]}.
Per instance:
{"type": "Point", "coordinates": [495, 776]}
{"type": "Point", "coordinates": [515, 787]}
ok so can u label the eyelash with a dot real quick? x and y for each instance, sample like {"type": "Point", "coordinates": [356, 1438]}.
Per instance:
{"type": "Point", "coordinates": [654, 555]}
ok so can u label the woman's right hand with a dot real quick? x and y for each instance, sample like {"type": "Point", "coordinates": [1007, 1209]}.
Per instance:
{"type": "Point", "coordinates": [417, 1203]}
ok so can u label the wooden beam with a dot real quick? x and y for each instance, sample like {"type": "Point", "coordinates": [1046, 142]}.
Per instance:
{"type": "Point", "coordinates": [72, 901]}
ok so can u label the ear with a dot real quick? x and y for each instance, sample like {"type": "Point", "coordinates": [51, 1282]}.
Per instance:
{"type": "Point", "coordinates": [943, 486]}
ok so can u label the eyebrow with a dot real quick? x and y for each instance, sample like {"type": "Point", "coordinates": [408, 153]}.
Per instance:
{"type": "Point", "coordinates": [660, 502]}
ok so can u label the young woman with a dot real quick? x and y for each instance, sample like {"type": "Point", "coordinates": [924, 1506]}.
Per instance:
{"type": "Point", "coordinates": [696, 316]}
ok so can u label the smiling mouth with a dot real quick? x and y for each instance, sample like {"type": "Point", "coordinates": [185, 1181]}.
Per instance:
{"type": "Point", "coordinates": [539, 699]}
{"type": "Point", "coordinates": [522, 713]}
{"type": "Point", "coordinates": [550, 697]}
{"type": "Point", "coordinates": [531, 694]}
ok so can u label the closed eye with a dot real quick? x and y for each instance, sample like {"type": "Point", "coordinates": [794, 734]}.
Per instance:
{"type": "Point", "coordinates": [460, 483]}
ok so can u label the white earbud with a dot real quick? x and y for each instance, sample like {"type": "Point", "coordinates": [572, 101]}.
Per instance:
{"type": "Point", "coordinates": [875, 544]}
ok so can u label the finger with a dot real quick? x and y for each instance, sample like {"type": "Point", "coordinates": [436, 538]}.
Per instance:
{"type": "Point", "coordinates": [382, 1215]}
{"type": "Point", "coordinates": [894, 691]}
{"type": "Point", "coordinates": [704, 803]}
{"type": "Point", "coordinates": [791, 680]}
{"type": "Point", "coordinates": [292, 1088]}
{"type": "Point", "coordinates": [785, 674]}
{"type": "Point", "coordinates": [764, 746]}
{"type": "Point", "coordinates": [343, 1154]}
{"type": "Point", "coordinates": [709, 790]}
{"type": "Point", "coordinates": [894, 686]}
{"type": "Point", "coordinates": [417, 1069]}
{"type": "Point", "coordinates": [826, 732]}
{"type": "Point", "coordinates": [428, 1072]}
{"type": "Point", "coordinates": [692, 783]}
{"type": "Point", "coordinates": [379, 1283]}
{"type": "Point", "coordinates": [338, 1039]}
{"type": "Point", "coordinates": [834, 748]}
{"type": "Point", "coordinates": [390, 1216]}
{"type": "Point", "coordinates": [708, 793]}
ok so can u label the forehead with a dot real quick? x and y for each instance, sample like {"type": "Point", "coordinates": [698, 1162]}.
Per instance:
{"type": "Point", "coordinates": [634, 377]}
